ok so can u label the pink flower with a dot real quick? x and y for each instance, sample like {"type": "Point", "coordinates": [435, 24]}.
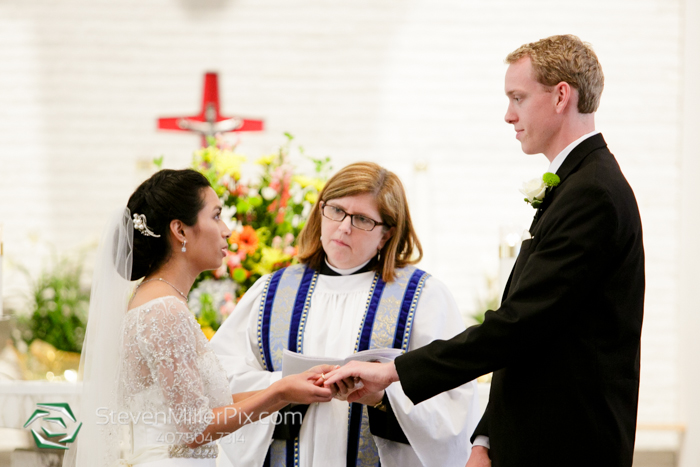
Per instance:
{"type": "Point", "coordinates": [219, 273]}
{"type": "Point", "coordinates": [232, 259]}
{"type": "Point", "coordinates": [277, 242]}
{"type": "Point", "coordinates": [288, 239]}
{"type": "Point", "coordinates": [228, 306]}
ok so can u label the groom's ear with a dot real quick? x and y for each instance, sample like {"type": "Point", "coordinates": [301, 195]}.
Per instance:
{"type": "Point", "coordinates": [564, 96]}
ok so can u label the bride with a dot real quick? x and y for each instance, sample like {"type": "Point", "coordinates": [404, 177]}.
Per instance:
{"type": "Point", "coordinates": [154, 394]}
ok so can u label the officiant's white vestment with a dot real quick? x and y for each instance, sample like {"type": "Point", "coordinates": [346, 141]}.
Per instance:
{"type": "Point", "coordinates": [438, 429]}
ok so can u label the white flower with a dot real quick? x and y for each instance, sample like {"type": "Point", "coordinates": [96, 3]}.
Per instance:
{"type": "Point", "coordinates": [217, 289]}
{"type": "Point", "coordinates": [48, 293]}
{"type": "Point", "coordinates": [268, 193]}
{"type": "Point", "coordinates": [535, 189]}
{"type": "Point", "coordinates": [297, 195]}
{"type": "Point", "coordinates": [306, 210]}
{"type": "Point", "coordinates": [227, 213]}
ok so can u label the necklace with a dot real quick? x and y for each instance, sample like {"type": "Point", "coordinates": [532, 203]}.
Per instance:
{"type": "Point", "coordinates": [163, 280]}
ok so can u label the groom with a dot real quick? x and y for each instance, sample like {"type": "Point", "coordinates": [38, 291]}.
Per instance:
{"type": "Point", "coordinates": [564, 346]}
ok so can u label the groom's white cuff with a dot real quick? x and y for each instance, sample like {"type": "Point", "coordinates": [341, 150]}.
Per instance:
{"type": "Point", "coordinates": [482, 440]}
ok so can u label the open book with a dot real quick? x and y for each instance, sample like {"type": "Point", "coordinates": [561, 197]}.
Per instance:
{"type": "Point", "coordinates": [294, 363]}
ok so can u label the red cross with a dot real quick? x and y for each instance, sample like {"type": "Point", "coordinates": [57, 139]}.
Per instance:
{"type": "Point", "coordinates": [209, 121]}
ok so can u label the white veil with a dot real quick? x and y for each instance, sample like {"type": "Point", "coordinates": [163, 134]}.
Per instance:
{"type": "Point", "coordinates": [98, 442]}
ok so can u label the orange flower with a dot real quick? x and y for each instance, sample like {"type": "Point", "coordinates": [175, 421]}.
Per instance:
{"type": "Point", "coordinates": [282, 200]}
{"type": "Point", "coordinates": [247, 240]}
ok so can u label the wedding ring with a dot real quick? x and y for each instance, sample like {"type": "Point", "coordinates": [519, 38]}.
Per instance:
{"type": "Point", "coordinates": [323, 376]}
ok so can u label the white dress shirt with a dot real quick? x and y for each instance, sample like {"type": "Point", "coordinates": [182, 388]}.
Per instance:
{"type": "Point", "coordinates": [561, 157]}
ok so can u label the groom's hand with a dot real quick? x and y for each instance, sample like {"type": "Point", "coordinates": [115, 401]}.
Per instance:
{"type": "Point", "coordinates": [374, 377]}
{"type": "Point", "coordinates": [479, 457]}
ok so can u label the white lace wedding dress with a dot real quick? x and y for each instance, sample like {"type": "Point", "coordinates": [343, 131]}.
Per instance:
{"type": "Point", "coordinates": [170, 380]}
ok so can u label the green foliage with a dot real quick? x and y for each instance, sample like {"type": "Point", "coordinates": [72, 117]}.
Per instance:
{"type": "Point", "coordinates": [58, 306]}
{"type": "Point", "coordinates": [207, 314]}
{"type": "Point", "coordinates": [239, 275]}
{"type": "Point", "coordinates": [489, 300]}
{"type": "Point", "coordinates": [322, 165]}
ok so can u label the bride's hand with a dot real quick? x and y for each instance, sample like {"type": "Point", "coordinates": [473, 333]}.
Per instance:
{"type": "Point", "coordinates": [343, 388]}
{"type": "Point", "coordinates": [303, 388]}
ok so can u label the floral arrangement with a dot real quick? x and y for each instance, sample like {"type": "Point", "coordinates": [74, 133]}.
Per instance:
{"type": "Point", "coordinates": [266, 211]}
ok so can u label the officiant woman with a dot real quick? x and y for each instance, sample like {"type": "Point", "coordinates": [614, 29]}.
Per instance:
{"type": "Point", "coordinates": [356, 288]}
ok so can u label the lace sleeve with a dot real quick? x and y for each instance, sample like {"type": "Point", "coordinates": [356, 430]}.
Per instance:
{"type": "Point", "coordinates": [168, 341]}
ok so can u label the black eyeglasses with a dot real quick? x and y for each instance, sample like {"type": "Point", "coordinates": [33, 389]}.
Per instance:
{"type": "Point", "coordinates": [357, 220]}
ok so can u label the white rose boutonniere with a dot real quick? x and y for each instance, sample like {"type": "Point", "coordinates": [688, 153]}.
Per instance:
{"type": "Point", "coordinates": [536, 189]}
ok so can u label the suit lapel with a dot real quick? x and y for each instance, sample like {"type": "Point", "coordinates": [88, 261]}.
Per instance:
{"type": "Point", "coordinates": [578, 154]}
{"type": "Point", "coordinates": [572, 161]}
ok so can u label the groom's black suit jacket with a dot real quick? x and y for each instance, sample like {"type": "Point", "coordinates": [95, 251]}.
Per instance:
{"type": "Point", "coordinates": [564, 345]}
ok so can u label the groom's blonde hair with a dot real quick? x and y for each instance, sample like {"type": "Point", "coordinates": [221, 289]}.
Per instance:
{"type": "Point", "coordinates": [567, 59]}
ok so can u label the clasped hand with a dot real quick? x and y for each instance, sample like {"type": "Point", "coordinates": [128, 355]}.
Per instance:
{"type": "Point", "coordinates": [342, 383]}
{"type": "Point", "coordinates": [374, 378]}
{"type": "Point", "coordinates": [365, 381]}
{"type": "Point", "coordinates": [342, 389]}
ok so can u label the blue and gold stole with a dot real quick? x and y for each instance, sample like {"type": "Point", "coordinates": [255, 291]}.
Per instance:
{"type": "Point", "coordinates": [388, 321]}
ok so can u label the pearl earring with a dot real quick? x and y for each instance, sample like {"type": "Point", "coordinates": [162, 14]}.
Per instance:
{"type": "Point", "coordinates": [184, 248]}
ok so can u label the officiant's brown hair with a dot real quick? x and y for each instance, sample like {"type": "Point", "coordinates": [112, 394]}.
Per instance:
{"type": "Point", "coordinates": [402, 249]}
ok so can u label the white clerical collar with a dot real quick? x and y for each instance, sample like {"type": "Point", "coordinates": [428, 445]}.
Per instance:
{"type": "Point", "coordinates": [346, 272]}
{"type": "Point", "coordinates": [561, 157]}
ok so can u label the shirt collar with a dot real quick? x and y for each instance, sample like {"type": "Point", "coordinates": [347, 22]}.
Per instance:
{"type": "Point", "coordinates": [346, 272]}
{"type": "Point", "coordinates": [561, 157]}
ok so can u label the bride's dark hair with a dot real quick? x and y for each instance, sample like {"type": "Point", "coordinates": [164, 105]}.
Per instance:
{"type": "Point", "coordinates": [166, 196]}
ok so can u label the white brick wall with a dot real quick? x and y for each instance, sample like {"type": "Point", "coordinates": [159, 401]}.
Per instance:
{"type": "Point", "coordinates": [399, 82]}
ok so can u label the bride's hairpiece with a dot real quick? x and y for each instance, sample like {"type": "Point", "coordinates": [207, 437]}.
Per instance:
{"type": "Point", "coordinates": [141, 226]}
